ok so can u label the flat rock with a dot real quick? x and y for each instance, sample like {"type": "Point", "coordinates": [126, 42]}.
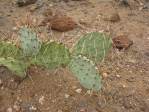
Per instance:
{"type": "Point", "coordinates": [122, 42]}
{"type": "Point", "coordinates": [21, 3]}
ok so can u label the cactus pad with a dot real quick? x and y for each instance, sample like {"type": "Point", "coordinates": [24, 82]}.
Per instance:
{"type": "Point", "coordinates": [85, 70]}
{"type": "Point", "coordinates": [9, 50]}
{"type": "Point", "coordinates": [15, 66]}
{"type": "Point", "coordinates": [29, 42]}
{"type": "Point", "coordinates": [93, 45]}
{"type": "Point", "coordinates": [52, 55]}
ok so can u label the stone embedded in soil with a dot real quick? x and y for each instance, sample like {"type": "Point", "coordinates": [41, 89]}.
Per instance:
{"type": "Point", "coordinates": [28, 107]}
{"type": "Point", "coordinates": [84, 106]}
{"type": "Point", "coordinates": [21, 3]}
{"type": "Point", "coordinates": [58, 20]}
{"type": "Point", "coordinates": [9, 109]}
{"type": "Point", "coordinates": [122, 42]}
{"type": "Point", "coordinates": [78, 90]}
{"type": "Point", "coordinates": [124, 3]}
{"type": "Point", "coordinates": [62, 23]}
{"type": "Point", "coordinates": [41, 100]}
{"type": "Point", "coordinates": [113, 17]}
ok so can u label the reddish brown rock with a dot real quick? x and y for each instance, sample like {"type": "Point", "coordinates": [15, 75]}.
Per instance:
{"type": "Point", "coordinates": [58, 20]}
{"type": "Point", "coordinates": [122, 42]}
{"type": "Point", "coordinates": [62, 23]}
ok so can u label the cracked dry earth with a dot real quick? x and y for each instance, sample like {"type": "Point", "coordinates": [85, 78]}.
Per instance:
{"type": "Point", "coordinates": [125, 73]}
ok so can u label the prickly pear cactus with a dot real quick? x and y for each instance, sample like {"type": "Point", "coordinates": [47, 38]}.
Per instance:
{"type": "Point", "coordinates": [9, 50]}
{"type": "Point", "coordinates": [29, 42]}
{"type": "Point", "coordinates": [17, 67]}
{"type": "Point", "coordinates": [52, 55]}
{"type": "Point", "coordinates": [93, 45]}
{"type": "Point", "coordinates": [86, 72]}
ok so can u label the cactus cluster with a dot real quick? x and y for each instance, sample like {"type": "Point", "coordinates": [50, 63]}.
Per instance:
{"type": "Point", "coordinates": [89, 50]}
{"type": "Point", "coordinates": [29, 42]}
{"type": "Point", "coordinates": [86, 72]}
{"type": "Point", "coordinates": [93, 45]}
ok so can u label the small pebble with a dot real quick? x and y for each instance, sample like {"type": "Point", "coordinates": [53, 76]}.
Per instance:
{"type": "Point", "coordinates": [78, 90]}
{"type": "Point", "coordinates": [124, 86]}
{"type": "Point", "coordinates": [118, 76]}
{"type": "Point", "coordinates": [14, 28]}
{"type": "Point", "coordinates": [89, 92]}
{"type": "Point", "coordinates": [105, 75]}
{"type": "Point", "coordinates": [16, 107]}
{"type": "Point", "coordinates": [41, 100]}
{"type": "Point", "coordinates": [33, 108]}
{"type": "Point", "coordinates": [67, 96]}
{"type": "Point", "coordinates": [9, 109]}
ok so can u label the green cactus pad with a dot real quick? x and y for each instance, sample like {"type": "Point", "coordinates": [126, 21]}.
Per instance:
{"type": "Point", "coordinates": [29, 42]}
{"type": "Point", "coordinates": [52, 55]}
{"type": "Point", "coordinates": [9, 50]}
{"type": "Point", "coordinates": [86, 72]}
{"type": "Point", "coordinates": [17, 67]}
{"type": "Point", "coordinates": [94, 45]}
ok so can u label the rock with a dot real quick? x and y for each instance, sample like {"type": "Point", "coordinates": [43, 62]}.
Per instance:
{"type": "Point", "coordinates": [113, 17]}
{"type": "Point", "coordinates": [41, 100]}
{"type": "Point", "coordinates": [78, 90]}
{"type": "Point", "coordinates": [124, 3]}
{"type": "Point", "coordinates": [9, 109]}
{"type": "Point", "coordinates": [122, 42]}
{"type": "Point", "coordinates": [146, 5]}
{"type": "Point", "coordinates": [21, 3]}
{"type": "Point", "coordinates": [28, 107]}
{"type": "Point", "coordinates": [67, 96]}
{"type": "Point", "coordinates": [62, 23]}
{"type": "Point", "coordinates": [58, 20]}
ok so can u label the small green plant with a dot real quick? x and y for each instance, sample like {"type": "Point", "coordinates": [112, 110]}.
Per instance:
{"type": "Point", "coordinates": [92, 46]}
